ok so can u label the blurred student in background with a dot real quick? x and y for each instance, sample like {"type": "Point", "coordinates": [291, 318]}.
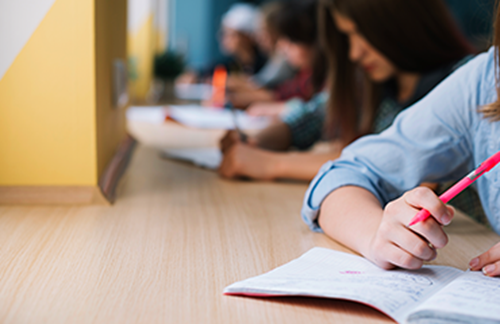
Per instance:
{"type": "Point", "coordinates": [277, 69]}
{"type": "Point", "coordinates": [237, 38]}
{"type": "Point", "coordinates": [296, 28]}
{"type": "Point", "coordinates": [384, 55]}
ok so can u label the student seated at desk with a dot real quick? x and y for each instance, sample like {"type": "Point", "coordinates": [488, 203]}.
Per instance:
{"type": "Point", "coordinates": [277, 69]}
{"type": "Point", "coordinates": [383, 56]}
{"type": "Point", "coordinates": [238, 41]}
{"type": "Point", "coordinates": [295, 26]}
{"type": "Point", "coordinates": [366, 199]}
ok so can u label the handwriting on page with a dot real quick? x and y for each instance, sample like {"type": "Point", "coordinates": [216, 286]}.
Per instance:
{"type": "Point", "coordinates": [327, 273]}
{"type": "Point", "coordinates": [470, 294]}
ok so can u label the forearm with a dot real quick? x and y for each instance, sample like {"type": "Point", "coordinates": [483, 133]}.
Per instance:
{"type": "Point", "coordinates": [242, 99]}
{"type": "Point", "coordinates": [351, 215]}
{"type": "Point", "coordinates": [301, 165]}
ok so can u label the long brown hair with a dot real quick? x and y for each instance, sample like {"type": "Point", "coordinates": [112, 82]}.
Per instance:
{"type": "Point", "coordinates": [492, 111]}
{"type": "Point", "coordinates": [415, 35]}
{"type": "Point", "coordinates": [297, 21]}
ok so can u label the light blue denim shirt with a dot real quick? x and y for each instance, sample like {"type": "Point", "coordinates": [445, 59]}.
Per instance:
{"type": "Point", "coordinates": [440, 138]}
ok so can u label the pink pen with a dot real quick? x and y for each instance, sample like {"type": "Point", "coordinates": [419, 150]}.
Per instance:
{"type": "Point", "coordinates": [460, 186]}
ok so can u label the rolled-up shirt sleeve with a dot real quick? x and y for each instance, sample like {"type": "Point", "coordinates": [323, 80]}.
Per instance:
{"type": "Point", "coordinates": [432, 141]}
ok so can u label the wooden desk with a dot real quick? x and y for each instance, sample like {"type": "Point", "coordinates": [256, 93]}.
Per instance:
{"type": "Point", "coordinates": [163, 253]}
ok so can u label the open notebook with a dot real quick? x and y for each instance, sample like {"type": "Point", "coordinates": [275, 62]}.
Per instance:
{"type": "Point", "coordinates": [197, 117]}
{"type": "Point", "coordinates": [215, 118]}
{"type": "Point", "coordinates": [205, 157]}
{"type": "Point", "coordinates": [198, 91]}
{"type": "Point", "coordinates": [433, 294]}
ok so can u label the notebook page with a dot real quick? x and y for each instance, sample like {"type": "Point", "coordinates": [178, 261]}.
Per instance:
{"type": "Point", "coordinates": [326, 273]}
{"type": "Point", "coordinates": [206, 157]}
{"type": "Point", "coordinates": [193, 91]}
{"type": "Point", "coordinates": [215, 118]}
{"type": "Point", "coordinates": [471, 298]}
{"type": "Point", "coordinates": [148, 114]}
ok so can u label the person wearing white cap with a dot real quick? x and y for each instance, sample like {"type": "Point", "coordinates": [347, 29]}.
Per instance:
{"type": "Point", "coordinates": [237, 38]}
{"type": "Point", "coordinates": [242, 17]}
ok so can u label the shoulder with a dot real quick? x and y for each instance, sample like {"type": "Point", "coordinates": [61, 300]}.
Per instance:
{"type": "Point", "coordinates": [487, 66]}
{"type": "Point", "coordinates": [477, 77]}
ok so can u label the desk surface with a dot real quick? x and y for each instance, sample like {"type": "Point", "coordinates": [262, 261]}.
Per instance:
{"type": "Point", "coordinates": [163, 253]}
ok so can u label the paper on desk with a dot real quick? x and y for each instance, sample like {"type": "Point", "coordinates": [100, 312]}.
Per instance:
{"type": "Point", "coordinates": [193, 91]}
{"type": "Point", "coordinates": [463, 300]}
{"type": "Point", "coordinates": [148, 114]}
{"type": "Point", "coordinates": [215, 118]}
{"type": "Point", "coordinates": [326, 273]}
{"type": "Point", "coordinates": [208, 157]}
{"type": "Point", "coordinates": [197, 117]}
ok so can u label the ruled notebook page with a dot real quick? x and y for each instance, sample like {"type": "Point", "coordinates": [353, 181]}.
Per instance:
{"type": "Point", "coordinates": [326, 273]}
{"type": "Point", "coordinates": [471, 298]}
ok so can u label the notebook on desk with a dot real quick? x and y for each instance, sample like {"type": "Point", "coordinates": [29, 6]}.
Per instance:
{"type": "Point", "coordinates": [198, 91]}
{"type": "Point", "coordinates": [205, 157]}
{"type": "Point", "coordinates": [215, 118]}
{"type": "Point", "coordinates": [197, 117]}
{"type": "Point", "coordinates": [433, 294]}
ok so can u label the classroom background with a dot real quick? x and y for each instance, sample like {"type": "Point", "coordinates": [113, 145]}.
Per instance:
{"type": "Point", "coordinates": [112, 209]}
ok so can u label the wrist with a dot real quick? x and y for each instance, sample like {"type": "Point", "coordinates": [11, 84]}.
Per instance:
{"type": "Point", "coordinates": [367, 236]}
{"type": "Point", "coordinates": [365, 247]}
{"type": "Point", "coordinates": [275, 165]}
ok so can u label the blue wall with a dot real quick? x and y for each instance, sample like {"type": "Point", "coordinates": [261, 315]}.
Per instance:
{"type": "Point", "coordinates": [193, 29]}
{"type": "Point", "coordinates": [194, 25]}
{"type": "Point", "coordinates": [189, 25]}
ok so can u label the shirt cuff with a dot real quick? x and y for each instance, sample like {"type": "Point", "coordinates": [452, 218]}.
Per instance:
{"type": "Point", "coordinates": [329, 178]}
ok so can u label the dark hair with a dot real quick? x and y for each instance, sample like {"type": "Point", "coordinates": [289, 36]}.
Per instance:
{"type": "Point", "coordinates": [269, 12]}
{"type": "Point", "coordinates": [415, 35]}
{"type": "Point", "coordinates": [297, 21]}
{"type": "Point", "coordinates": [492, 111]}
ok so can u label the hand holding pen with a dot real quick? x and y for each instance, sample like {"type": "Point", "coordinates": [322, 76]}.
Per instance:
{"type": "Point", "coordinates": [460, 186]}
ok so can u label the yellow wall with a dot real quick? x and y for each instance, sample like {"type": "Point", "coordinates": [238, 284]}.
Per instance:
{"type": "Point", "coordinates": [50, 111]}
{"type": "Point", "coordinates": [141, 50]}
{"type": "Point", "coordinates": [47, 129]}
{"type": "Point", "coordinates": [111, 36]}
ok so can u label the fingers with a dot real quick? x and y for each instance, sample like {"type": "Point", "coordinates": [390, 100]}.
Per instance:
{"type": "Point", "coordinates": [409, 247]}
{"type": "Point", "coordinates": [492, 270]}
{"type": "Point", "coordinates": [411, 243]}
{"type": "Point", "coordinates": [415, 245]}
{"type": "Point", "coordinates": [231, 138]}
{"type": "Point", "coordinates": [429, 230]}
{"type": "Point", "coordinates": [423, 197]}
{"type": "Point", "coordinates": [229, 164]}
{"type": "Point", "coordinates": [432, 231]}
{"type": "Point", "coordinates": [488, 262]}
{"type": "Point", "coordinates": [400, 258]}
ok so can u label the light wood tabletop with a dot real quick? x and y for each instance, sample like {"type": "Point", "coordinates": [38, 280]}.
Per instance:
{"type": "Point", "coordinates": [176, 236]}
